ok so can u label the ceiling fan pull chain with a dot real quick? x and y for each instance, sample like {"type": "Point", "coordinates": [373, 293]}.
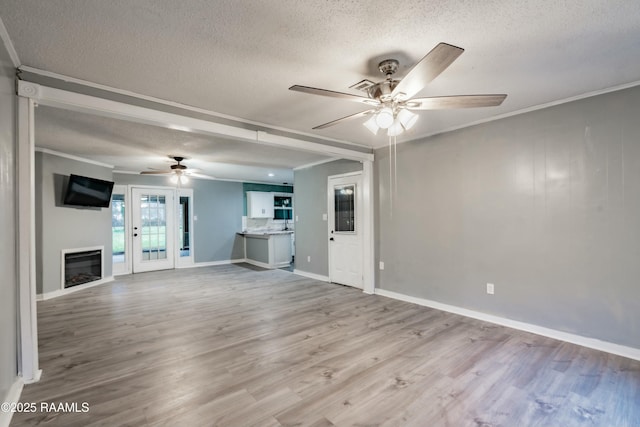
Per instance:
{"type": "Point", "coordinates": [395, 164]}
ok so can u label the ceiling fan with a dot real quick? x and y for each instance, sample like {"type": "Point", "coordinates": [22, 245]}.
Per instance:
{"type": "Point", "coordinates": [179, 172]}
{"type": "Point", "coordinates": [391, 101]}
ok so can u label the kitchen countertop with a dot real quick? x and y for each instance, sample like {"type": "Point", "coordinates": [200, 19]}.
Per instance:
{"type": "Point", "coordinates": [264, 234]}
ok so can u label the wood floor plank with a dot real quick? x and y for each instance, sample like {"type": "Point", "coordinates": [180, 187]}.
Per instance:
{"type": "Point", "coordinates": [234, 345]}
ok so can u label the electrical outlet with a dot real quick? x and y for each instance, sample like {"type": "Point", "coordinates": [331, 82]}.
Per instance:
{"type": "Point", "coordinates": [490, 288]}
{"type": "Point", "coordinates": [296, 218]}
{"type": "Point", "coordinates": [381, 265]}
{"type": "Point", "coordinates": [309, 258]}
{"type": "Point", "coordinates": [324, 217]}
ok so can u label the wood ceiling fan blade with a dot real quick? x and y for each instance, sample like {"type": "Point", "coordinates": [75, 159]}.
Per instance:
{"type": "Point", "coordinates": [344, 119]}
{"type": "Point", "coordinates": [333, 94]}
{"type": "Point", "coordinates": [429, 67]}
{"type": "Point", "coordinates": [156, 173]}
{"type": "Point", "coordinates": [455, 101]}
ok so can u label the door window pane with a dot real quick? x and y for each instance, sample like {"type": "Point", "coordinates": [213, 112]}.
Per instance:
{"type": "Point", "coordinates": [153, 233]}
{"type": "Point", "coordinates": [117, 228]}
{"type": "Point", "coordinates": [183, 226]}
{"type": "Point", "coordinates": [344, 206]}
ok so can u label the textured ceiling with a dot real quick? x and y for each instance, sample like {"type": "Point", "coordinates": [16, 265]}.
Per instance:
{"type": "Point", "coordinates": [239, 57]}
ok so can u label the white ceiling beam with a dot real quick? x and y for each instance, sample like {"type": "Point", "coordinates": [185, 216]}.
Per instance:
{"type": "Point", "coordinates": [58, 98]}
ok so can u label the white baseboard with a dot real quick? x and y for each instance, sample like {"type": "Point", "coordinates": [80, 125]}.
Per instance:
{"type": "Point", "coordinates": [258, 264]}
{"type": "Point", "coordinates": [608, 347]}
{"type": "Point", "coordinates": [214, 263]}
{"type": "Point", "coordinates": [311, 275]}
{"type": "Point", "coordinates": [12, 397]}
{"type": "Point", "coordinates": [65, 291]}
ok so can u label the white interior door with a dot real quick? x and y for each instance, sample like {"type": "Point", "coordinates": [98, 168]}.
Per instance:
{"type": "Point", "coordinates": [152, 229]}
{"type": "Point", "coordinates": [345, 229]}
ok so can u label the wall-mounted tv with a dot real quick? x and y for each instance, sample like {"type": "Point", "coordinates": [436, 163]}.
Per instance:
{"type": "Point", "coordinates": [85, 191]}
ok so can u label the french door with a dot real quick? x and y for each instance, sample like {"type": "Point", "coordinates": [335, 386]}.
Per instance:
{"type": "Point", "coordinates": [345, 229]}
{"type": "Point", "coordinates": [152, 229]}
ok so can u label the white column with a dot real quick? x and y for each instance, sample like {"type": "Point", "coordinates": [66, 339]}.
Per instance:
{"type": "Point", "coordinates": [368, 255]}
{"type": "Point", "coordinates": [28, 365]}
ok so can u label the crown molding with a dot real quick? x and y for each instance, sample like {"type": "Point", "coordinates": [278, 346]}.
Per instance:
{"type": "Point", "coordinates": [8, 44]}
{"type": "Point", "coordinates": [72, 157]}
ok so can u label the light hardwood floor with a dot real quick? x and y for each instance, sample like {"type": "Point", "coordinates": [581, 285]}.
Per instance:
{"type": "Point", "coordinates": [236, 346]}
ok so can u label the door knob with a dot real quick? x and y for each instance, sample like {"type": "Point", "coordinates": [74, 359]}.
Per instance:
{"type": "Point", "coordinates": [331, 239]}
{"type": "Point", "coordinates": [135, 234]}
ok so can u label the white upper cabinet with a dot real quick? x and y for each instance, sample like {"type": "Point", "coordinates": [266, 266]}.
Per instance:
{"type": "Point", "coordinates": [259, 204]}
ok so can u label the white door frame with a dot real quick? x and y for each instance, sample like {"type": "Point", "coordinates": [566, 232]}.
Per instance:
{"type": "Point", "coordinates": [366, 226]}
{"type": "Point", "coordinates": [184, 262]}
{"type": "Point", "coordinates": [170, 229]}
{"type": "Point", "coordinates": [124, 189]}
{"type": "Point", "coordinates": [354, 178]}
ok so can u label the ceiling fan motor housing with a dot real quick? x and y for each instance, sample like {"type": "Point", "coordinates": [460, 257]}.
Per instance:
{"type": "Point", "coordinates": [178, 166]}
{"type": "Point", "coordinates": [382, 91]}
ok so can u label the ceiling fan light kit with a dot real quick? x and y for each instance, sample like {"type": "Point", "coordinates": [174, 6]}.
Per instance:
{"type": "Point", "coordinates": [182, 179]}
{"type": "Point", "coordinates": [384, 118]}
{"type": "Point", "coordinates": [392, 99]}
{"type": "Point", "coordinates": [371, 125]}
{"type": "Point", "coordinates": [407, 118]}
{"type": "Point", "coordinates": [177, 171]}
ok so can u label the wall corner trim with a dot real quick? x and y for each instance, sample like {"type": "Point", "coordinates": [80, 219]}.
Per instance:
{"type": "Point", "coordinates": [12, 397]}
{"type": "Point", "coordinates": [214, 263]}
{"type": "Point", "coordinates": [60, 292]}
{"type": "Point", "coordinates": [607, 347]}
{"type": "Point", "coordinates": [311, 275]}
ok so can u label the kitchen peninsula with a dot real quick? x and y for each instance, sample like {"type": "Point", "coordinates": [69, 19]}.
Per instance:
{"type": "Point", "coordinates": [268, 249]}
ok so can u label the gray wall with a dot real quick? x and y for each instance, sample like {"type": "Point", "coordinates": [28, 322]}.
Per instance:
{"type": "Point", "coordinates": [9, 282]}
{"type": "Point", "coordinates": [545, 205]}
{"type": "Point", "coordinates": [218, 206]}
{"type": "Point", "coordinates": [310, 201]}
{"type": "Point", "coordinates": [61, 227]}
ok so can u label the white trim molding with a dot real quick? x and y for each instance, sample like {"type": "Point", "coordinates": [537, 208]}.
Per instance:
{"type": "Point", "coordinates": [215, 263]}
{"type": "Point", "coordinates": [8, 44]}
{"type": "Point", "coordinates": [608, 347]}
{"type": "Point", "coordinates": [60, 292]}
{"type": "Point", "coordinates": [72, 157]}
{"type": "Point", "coordinates": [311, 275]}
{"type": "Point", "coordinates": [28, 365]}
{"type": "Point", "coordinates": [368, 238]}
{"type": "Point", "coordinates": [318, 163]}
{"type": "Point", "coordinates": [12, 397]}
{"type": "Point", "coordinates": [190, 108]}
{"type": "Point", "coordinates": [72, 101]}
{"type": "Point", "coordinates": [259, 264]}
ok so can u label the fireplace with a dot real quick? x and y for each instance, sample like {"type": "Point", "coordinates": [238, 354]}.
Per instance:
{"type": "Point", "coordinates": [80, 266]}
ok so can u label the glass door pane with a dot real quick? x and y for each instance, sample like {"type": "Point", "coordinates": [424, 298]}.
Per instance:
{"type": "Point", "coordinates": [118, 239]}
{"type": "Point", "coordinates": [154, 226]}
{"type": "Point", "coordinates": [184, 217]}
{"type": "Point", "coordinates": [344, 208]}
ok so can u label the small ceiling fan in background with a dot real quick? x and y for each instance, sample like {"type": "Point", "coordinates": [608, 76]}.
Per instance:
{"type": "Point", "coordinates": [179, 172]}
{"type": "Point", "coordinates": [391, 101]}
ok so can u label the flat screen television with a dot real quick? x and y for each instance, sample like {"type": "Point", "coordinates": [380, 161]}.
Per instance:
{"type": "Point", "coordinates": [85, 191]}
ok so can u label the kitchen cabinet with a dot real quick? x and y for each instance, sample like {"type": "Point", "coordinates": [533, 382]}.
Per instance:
{"type": "Point", "coordinates": [268, 250]}
{"type": "Point", "coordinates": [259, 204]}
